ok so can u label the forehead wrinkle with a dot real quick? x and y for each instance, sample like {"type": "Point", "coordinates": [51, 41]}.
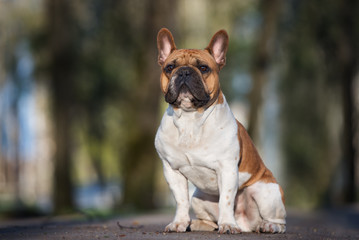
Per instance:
{"type": "Point", "coordinates": [191, 57]}
{"type": "Point", "coordinates": [194, 59]}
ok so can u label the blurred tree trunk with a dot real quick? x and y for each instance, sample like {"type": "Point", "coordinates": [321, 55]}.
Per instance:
{"type": "Point", "coordinates": [61, 73]}
{"type": "Point", "coordinates": [347, 57]}
{"type": "Point", "coordinates": [261, 60]}
{"type": "Point", "coordinates": [139, 164]}
{"type": "Point", "coordinates": [16, 141]}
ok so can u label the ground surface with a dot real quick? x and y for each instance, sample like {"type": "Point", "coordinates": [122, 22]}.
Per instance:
{"type": "Point", "coordinates": [329, 224]}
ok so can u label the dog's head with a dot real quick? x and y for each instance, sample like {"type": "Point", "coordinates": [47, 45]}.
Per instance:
{"type": "Point", "coordinates": [189, 78]}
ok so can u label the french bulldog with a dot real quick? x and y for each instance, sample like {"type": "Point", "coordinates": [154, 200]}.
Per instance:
{"type": "Point", "coordinates": [200, 140]}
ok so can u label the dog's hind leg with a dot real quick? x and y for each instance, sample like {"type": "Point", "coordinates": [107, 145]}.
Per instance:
{"type": "Point", "coordinates": [270, 202]}
{"type": "Point", "coordinates": [206, 209]}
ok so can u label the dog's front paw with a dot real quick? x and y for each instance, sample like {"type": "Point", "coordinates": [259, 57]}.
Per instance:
{"type": "Point", "coordinates": [270, 227]}
{"type": "Point", "coordinates": [228, 228]}
{"type": "Point", "coordinates": [177, 227]}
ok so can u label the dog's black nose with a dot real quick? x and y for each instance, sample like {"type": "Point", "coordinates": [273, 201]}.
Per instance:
{"type": "Point", "coordinates": [185, 71]}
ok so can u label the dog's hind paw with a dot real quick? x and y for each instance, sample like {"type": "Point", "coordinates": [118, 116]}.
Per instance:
{"type": "Point", "coordinates": [203, 225]}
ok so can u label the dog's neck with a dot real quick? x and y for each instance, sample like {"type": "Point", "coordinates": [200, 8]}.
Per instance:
{"type": "Point", "coordinates": [197, 117]}
{"type": "Point", "coordinates": [190, 123]}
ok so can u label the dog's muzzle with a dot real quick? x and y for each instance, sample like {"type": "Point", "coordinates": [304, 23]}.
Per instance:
{"type": "Point", "coordinates": [187, 82]}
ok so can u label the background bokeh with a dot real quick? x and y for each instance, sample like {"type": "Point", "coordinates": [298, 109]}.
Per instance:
{"type": "Point", "coordinates": [80, 101]}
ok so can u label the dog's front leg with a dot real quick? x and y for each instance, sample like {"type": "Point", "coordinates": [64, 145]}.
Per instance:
{"type": "Point", "coordinates": [228, 186]}
{"type": "Point", "coordinates": [179, 187]}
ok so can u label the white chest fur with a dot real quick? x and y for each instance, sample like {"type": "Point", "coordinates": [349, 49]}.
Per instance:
{"type": "Point", "coordinates": [197, 144]}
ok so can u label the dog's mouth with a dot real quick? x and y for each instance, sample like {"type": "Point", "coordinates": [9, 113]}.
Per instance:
{"type": "Point", "coordinates": [187, 91]}
{"type": "Point", "coordinates": [187, 100]}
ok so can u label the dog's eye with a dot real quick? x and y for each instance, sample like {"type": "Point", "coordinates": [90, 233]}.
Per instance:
{"type": "Point", "coordinates": [203, 68]}
{"type": "Point", "coordinates": [169, 68]}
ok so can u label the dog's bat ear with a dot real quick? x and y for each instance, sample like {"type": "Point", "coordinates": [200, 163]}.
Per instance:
{"type": "Point", "coordinates": [218, 47]}
{"type": "Point", "coordinates": [165, 44]}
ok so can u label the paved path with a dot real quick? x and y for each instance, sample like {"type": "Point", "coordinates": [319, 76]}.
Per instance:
{"type": "Point", "coordinates": [334, 224]}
